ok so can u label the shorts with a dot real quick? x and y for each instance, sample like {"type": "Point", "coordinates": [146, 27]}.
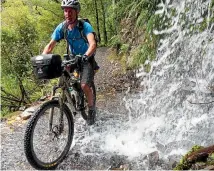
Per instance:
{"type": "Point", "coordinates": [87, 74]}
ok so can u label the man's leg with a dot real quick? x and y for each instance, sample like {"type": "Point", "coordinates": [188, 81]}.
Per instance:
{"type": "Point", "coordinates": [89, 95]}
{"type": "Point", "coordinates": [87, 77]}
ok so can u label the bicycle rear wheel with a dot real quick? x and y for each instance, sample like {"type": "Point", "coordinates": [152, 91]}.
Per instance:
{"type": "Point", "coordinates": [47, 143]}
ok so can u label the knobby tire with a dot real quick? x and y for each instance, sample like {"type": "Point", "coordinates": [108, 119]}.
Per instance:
{"type": "Point", "coordinates": [28, 138]}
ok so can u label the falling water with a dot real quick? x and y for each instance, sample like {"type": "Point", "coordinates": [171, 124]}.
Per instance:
{"type": "Point", "coordinates": [176, 109]}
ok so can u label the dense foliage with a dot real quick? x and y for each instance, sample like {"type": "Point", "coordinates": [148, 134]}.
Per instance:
{"type": "Point", "coordinates": [26, 28]}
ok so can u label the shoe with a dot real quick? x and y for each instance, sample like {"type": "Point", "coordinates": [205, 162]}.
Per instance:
{"type": "Point", "coordinates": [91, 117]}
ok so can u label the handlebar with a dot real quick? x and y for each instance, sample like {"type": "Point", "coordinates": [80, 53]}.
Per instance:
{"type": "Point", "coordinates": [74, 59]}
{"type": "Point", "coordinates": [70, 59]}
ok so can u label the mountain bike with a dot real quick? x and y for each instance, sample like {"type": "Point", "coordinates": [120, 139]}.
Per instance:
{"type": "Point", "coordinates": [49, 133]}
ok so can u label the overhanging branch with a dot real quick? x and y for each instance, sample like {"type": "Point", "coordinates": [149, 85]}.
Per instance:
{"type": "Point", "coordinates": [49, 11]}
{"type": "Point", "coordinates": [200, 103]}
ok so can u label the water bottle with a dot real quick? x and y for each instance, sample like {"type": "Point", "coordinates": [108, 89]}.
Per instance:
{"type": "Point", "coordinates": [70, 89]}
{"type": "Point", "coordinates": [76, 73]}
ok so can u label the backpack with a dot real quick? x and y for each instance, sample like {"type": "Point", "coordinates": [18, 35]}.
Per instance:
{"type": "Point", "coordinates": [80, 28]}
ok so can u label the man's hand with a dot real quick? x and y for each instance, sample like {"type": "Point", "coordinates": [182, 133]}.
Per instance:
{"type": "Point", "coordinates": [49, 47]}
{"type": "Point", "coordinates": [84, 58]}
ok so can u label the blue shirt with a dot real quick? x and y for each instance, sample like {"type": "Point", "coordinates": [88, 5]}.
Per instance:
{"type": "Point", "coordinates": [77, 44]}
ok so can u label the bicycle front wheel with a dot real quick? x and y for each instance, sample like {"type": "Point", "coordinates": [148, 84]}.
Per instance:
{"type": "Point", "coordinates": [48, 136]}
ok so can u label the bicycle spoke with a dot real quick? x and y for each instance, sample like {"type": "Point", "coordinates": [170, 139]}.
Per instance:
{"type": "Point", "coordinates": [48, 145]}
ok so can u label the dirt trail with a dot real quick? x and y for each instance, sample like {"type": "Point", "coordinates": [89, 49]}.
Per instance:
{"type": "Point", "coordinates": [107, 97]}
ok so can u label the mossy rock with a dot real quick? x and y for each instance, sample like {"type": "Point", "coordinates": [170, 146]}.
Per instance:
{"type": "Point", "coordinates": [184, 164]}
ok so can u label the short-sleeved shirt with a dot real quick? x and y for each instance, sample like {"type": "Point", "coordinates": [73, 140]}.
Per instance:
{"type": "Point", "coordinates": [77, 44]}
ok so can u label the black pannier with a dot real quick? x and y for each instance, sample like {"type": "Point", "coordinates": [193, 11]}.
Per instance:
{"type": "Point", "coordinates": [47, 66]}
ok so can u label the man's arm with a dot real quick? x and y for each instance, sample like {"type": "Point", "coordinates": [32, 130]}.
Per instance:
{"type": "Point", "coordinates": [92, 45]}
{"type": "Point", "coordinates": [49, 47]}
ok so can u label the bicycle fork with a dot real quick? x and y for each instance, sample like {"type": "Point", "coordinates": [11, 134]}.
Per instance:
{"type": "Point", "coordinates": [52, 109]}
{"type": "Point", "coordinates": [51, 112]}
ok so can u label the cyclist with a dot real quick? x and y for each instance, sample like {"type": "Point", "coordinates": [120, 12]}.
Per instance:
{"type": "Point", "coordinates": [78, 46]}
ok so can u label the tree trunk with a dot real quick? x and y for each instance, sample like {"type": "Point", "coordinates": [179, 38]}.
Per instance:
{"type": "Point", "coordinates": [200, 155]}
{"type": "Point", "coordinates": [115, 23]}
{"type": "Point", "coordinates": [97, 19]}
{"type": "Point", "coordinates": [57, 1]}
{"type": "Point", "coordinates": [104, 23]}
{"type": "Point", "coordinates": [23, 92]}
{"type": "Point", "coordinates": [22, 89]}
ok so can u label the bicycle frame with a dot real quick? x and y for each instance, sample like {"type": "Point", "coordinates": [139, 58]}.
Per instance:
{"type": "Point", "coordinates": [63, 84]}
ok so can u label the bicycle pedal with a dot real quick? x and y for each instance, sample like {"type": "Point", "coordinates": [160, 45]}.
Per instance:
{"type": "Point", "coordinates": [80, 108]}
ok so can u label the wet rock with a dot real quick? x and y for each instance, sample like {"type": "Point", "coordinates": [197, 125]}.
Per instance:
{"type": "Point", "coordinates": [160, 147]}
{"type": "Point", "coordinates": [139, 163]}
{"type": "Point", "coordinates": [3, 119]}
{"type": "Point", "coordinates": [43, 98]}
{"type": "Point", "coordinates": [125, 167]}
{"type": "Point", "coordinates": [209, 168]}
{"type": "Point", "coordinates": [22, 108]}
{"type": "Point", "coordinates": [122, 167]}
{"type": "Point", "coordinates": [150, 161]}
{"type": "Point", "coordinates": [127, 85]}
{"type": "Point", "coordinates": [153, 158]}
{"type": "Point", "coordinates": [18, 118]}
{"type": "Point", "coordinates": [171, 163]}
{"type": "Point", "coordinates": [26, 115]}
{"type": "Point", "coordinates": [198, 166]}
{"type": "Point", "coordinates": [28, 112]}
{"type": "Point", "coordinates": [117, 162]}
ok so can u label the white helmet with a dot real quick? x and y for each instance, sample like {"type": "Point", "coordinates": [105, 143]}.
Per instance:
{"type": "Point", "coordinates": [71, 3]}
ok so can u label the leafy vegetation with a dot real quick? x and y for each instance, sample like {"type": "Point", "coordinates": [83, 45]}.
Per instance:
{"type": "Point", "coordinates": [24, 32]}
{"type": "Point", "coordinates": [137, 21]}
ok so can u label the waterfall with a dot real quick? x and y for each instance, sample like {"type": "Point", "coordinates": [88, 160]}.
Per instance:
{"type": "Point", "coordinates": [175, 110]}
